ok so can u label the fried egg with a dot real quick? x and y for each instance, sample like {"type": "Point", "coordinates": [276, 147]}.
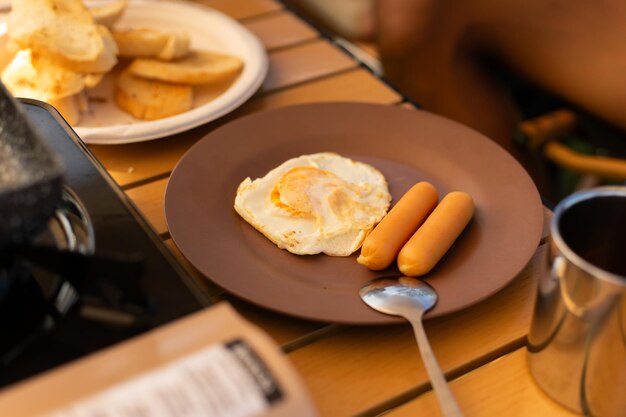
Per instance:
{"type": "Point", "coordinates": [318, 203]}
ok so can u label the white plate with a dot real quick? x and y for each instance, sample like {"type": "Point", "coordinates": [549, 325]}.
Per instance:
{"type": "Point", "coordinates": [208, 30]}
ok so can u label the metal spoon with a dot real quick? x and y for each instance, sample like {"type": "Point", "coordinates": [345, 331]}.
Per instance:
{"type": "Point", "coordinates": [411, 298]}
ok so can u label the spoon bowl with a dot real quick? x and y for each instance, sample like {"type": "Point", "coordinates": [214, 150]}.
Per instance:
{"type": "Point", "coordinates": [411, 298]}
{"type": "Point", "coordinates": [396, 296]}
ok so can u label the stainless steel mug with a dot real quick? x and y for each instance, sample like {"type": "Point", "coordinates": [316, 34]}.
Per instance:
{"type": "Point", "coordinates": [577, 340]}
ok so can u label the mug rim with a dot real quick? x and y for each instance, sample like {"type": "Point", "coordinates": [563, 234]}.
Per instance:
{"type": "Point", "coordinates": [567, 203]}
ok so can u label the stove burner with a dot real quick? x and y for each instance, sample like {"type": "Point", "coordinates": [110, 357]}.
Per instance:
{"type": "Point", "coordinates": [40, 283]}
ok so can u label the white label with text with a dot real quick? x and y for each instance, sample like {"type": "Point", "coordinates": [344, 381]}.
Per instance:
{"type": "Point", "coordinates": [227, 380]}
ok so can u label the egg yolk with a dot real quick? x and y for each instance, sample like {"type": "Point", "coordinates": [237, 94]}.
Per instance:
{"type": "Point", "coordinates": [308, 191]}
{"type": "Point", "coordinates": [297, 188]}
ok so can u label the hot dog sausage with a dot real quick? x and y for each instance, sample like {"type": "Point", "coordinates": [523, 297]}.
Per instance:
{"type": "Point", "coordinates": [433, 239]}
{"type": "Point", "coordinates": [382, 245]}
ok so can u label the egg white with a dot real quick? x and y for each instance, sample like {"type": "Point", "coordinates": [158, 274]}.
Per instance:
{"type": "Point", "coordinates": [328, 203]}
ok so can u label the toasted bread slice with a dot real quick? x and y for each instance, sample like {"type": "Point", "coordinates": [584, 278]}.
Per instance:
{"type": "Point", "coordinates": [109, 13]}
{"type": "Point", "coordinates": [104, 61]}
{"type": "Point", "coordinates": [83, 101]}
{"type": "Point", "coordinates": [177, 46]}
{"type": "Point", "coordinates": [140, 42]}
{"type": "Point", "coordinates": [8, 49]}
{"type": "Point", "coordinates": [61, 27]}
{"type": "Point", "coordinates": [92, 80]}
{"type": "Point", "coordinates": [41, 77]}
{"type": "Point", "coordinates": [197, 68]}
{"type": "Point", "coordinates": [151, 43]}
{"type": "Point", "coordinates": [150, 100]}
{"type": "Point", "coordinates": [70, 107]}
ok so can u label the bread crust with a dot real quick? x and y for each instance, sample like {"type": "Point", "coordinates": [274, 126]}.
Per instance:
{"type": "Point", "coordinates": [151, 100]}
{"type": "Point", "coordinates": [152, 43]}
{"type": "Point", "coordinates": [62, 27]}
{"type": "Point", "coordinates": [199, 67]}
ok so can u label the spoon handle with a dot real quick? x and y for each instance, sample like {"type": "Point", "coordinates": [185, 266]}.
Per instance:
{"type": "Point", "coordinates": [447, 402]}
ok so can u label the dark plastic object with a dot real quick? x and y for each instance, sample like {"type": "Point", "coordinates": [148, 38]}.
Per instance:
{"type": "Point", "coordinates": [31, 175]}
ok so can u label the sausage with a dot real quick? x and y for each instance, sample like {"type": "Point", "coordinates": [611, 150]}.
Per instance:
{"type": "Point", "coordinates": [382, 245]}
{"type": "Point", "coordinates": [433, 239]}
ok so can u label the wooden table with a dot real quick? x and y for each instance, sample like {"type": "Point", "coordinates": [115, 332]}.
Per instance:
{"type": "Point", "coordinates": [353, 371]}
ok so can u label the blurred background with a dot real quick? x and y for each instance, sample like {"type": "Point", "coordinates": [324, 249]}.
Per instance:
{"type": "Point", "coordinates": [540, 78]}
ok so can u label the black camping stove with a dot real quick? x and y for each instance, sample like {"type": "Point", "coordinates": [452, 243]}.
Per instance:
{"type": "Point", "coordinates": [90, 274]}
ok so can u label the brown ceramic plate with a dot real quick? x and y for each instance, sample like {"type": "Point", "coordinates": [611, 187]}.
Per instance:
{"type": "Point", "coordinates": [407, 146]}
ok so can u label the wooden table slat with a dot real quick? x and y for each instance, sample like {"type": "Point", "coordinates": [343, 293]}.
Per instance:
{"type": "Point", "coordinates": [362, 367]}
{"type": "Point", "coordinates": [281, 30]}
{"type": "Point", "coordinates": [354, 85]}
{"type": "Point", "coordinates": [503, 387]}
{"type": "Point", "coordinates": [283, 329]}
{"type": "Point", "coordinates": [149, 199]}
{"type": "Point", "coordinates": [243, 9]}
{"type": "Point", "coordinates": [212, 291]}
{"type": "Point", "coordinates": [307, 62]}
{"type": "Point", "coordinates": [369, 48]}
